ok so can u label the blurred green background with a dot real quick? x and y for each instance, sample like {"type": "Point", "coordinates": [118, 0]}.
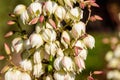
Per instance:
{"type": "Point", "coordinates": [95, 59]}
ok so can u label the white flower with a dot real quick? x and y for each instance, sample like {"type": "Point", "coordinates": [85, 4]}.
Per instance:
{"type": "Point", "coordinates": [114, 63]}
{"type": "Point", "coordinates": [57, 63]}
{"type": "Point", "coordinates": [65, 65]}
{"type": "Point", "coordinates": [38, 56]}
{"type": "Point", "coordinates": [12, 74]}
{"type": "Point", "coordinates": [19, 9]}
{"type": "Point", "coordinates": [109, 55]}
{"type": "Point", "coordinates": [83, 54]}
{"type": "Point", "coordinates": [36, 40]}
{"type": "Point", "coordinates": [50, 7]}
{"type": "Point", "coordinates": [89, 41]}
{"type": "Point", "coordinates": [79, 44]}
{"type": "Point", "coordinates": [75, 14]}
{"type": "Point", "coordinates": [48, 77]}
{"type": "Point", "coordinates": [60, 13]}
{"type": "Point", "coordinates": [51, 48]}
{"type": "Point", "coordinates": [117, 51]}
{"type": "Point", "coordinates": [113, 75]}
{"type": "Point", "coordinates": [80, 65]}
{"type": "Point", "coordinates": [70, 76]}
{"type": "Point", "coordinates": [38, 71]}
{"type": "Point", "coordinates": [35, 9]}
{"type": "Point", "coordinates": [25, 17]}
{"type": "Point", "coordinates": [68, 3]}
{"type": "Point", "coordinates": [59, 75]}
{"type": "Point", "coordinates": [78, 29]}
{"type": "Point", "coordinates": [17, 44]}
{"type": "Point", "coordinates": [65, 39]}
{"type": "Point", "coordinates": [26, 65]}
{"type": "Point", "coordinates": [49, 35]}
{"type": "Point", "coordinates": [25, 76]}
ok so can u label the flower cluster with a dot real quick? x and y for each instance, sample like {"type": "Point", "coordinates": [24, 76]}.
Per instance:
{"type": "Point", "coordinates": [113, 57]}
{"type": "Point", "coordinates": [57, 48]}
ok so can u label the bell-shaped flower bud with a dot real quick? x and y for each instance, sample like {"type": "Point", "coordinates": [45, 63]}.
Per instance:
{"type": "Point", "coordinates": [75, 14]}
{"type": "Point", "coordinates": [49, 35]}
{"type": "Point", "coordinates": [83, 54]}
{"type": "Point", "coordinates": [51, 48]}
{"type": "Point", "coordinates": [59, 75]}
{"type": "Point", "coordinates": [38, 56]}
{"type": "Point", "coordinates": [78, 29]}
{"type": "Point", "coordinates": [19, 9]}
{"type": "Point", "coordinates": [25, 76]}
{"type": "Point", "coordinates": [60, 13]}
{"type": "Point", "coordinates": [12, 74]}
{"type": "Point", "coordinates": [57, 63]}
{"type": "Point", "coordinates": [38, 71]}
{"type": "Point", "coordinates": [36, 40]}
{"type": "Point", "coordinates": [89, 41]}
{"type": "Point", "coordinates": [35, 9]}
{"type": "Point", "coordinates": [17, 44]}
{"type": "Point", "coordinates": [70, 76]}
{"type": "Point", "coordinates": [80, 65]}
{"type": "Point", "coordinates": [65, 39]}
{"type": "Point", "coordinates": [50, 7]}
{"type": "Point", "coordinates": [79, 44]}
{"type": "Point", "coordinates": [65, 65]}
{"type": "Point", "coordinates": [25, 17]}
{"type": "Point", "coordinates": [48, 77]}
{"type": "Point", "coordinates": [26, 65]}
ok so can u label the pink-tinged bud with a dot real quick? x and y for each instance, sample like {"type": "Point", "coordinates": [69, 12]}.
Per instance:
{"type": "Point", "coordinates": [19, 9]}
{"type": "Point", "coordinates": [2, 57]}
{"type": "Point", "coordinates": [11, 22]}
{"type": "Point", "coordinates": [11, 15]}
{"type": "Point", "coordinates": [52, 23]}
{"type": "Point", "coordinates": [33, 21]}
{"type": "Point", "coordinates": [76, 49]}
{"type": "Point", "coordinates": [7, 49]}
{"type": "Point", "coordinates": [8, 34]}
{"type": "Point", "coordinates": [90, 78]}
{"type": "Point", "coordinates": [98, 72]}
{"type": "Point", "coordinates": [80, 63]}
{"type": "Point", "coordinates": [65, 39]}
{"type": "Point", "coordinates": [41, 19]}
{"type": "Point", "coordinates": [89, 41]}
{"type": "Point", "coordinates": [4, 69]}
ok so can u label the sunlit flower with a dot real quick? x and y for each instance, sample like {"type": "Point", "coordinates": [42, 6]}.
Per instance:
{"type": "Point", "coordinates": [48, 77]}
{"type": "Point", "coordinates": [19, 9]}
{"type": "Point", "coordinates": [78, 29]}
{"type": "Point", "coordinates": [38, 71]}
{"type": "Point", "coordinates": [36, 40]}
{"type": "Point", "coordinates": [59, 75]}
{"type": "Point", "coordinates": [89, 41]}
{"type": "Point", "coordinates": [17, 44]}
{"type": "Point", "coordinates": [26, 65]}
{"type": "Point", "coordinates": [49, 35]}
{"type": "Point", "coordinates": [25, 76]}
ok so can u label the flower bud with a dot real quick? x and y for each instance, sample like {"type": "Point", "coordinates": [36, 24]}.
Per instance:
{"type": "Point", "coordinates": [68, 3]}
{"type": "Point", "coordinates": [27, 44]}
{"type": "Point", "coordinates": [12, 74]}
{"type": "Point", "coordinates": [65, 65]}
{"type": "Point", "coordinates": [25, 17]}
{"type": "Point", "coordinates": [70, 76]}
{"type": "Point", "coordinates": [48, 77]}
{"type": "Point", "coordinates": [51, 48]}
{"type": "Point", "coordinates": [89, 41]}
{"type": "Point", "coordinates": [17, 44]}
{"type": "Point", "coordinates": [83, 54]}
{"type": "Point", "coordinates": [80, 65]}
{"type": "Point", "coordinates": [60, 53]}
{"type": "Point", "coordinates": [38, 71]}
{"type": "Point", "coordinates": [19, 9]}
{"type": "Point", "coordinates": [49, 35]}
{"type": "Point", "coordinates": [60, 13]}
{"type": "Point", "coordinates": [41, 19]}
{"type": "Point", "coordinates": [78, 29]}
{"type": "Point", "coordinates": [65, 39]}
{"type": "Point", "coordinates": [35, 9]}
{"type": "Point", "coordinates": [25, 76]}
{"type": "Point", "coordinates": [50, 7]}
{"type": "Point", "coordinates": [59, 75]}
{"type": "Point", "coordinates": [26, 65]}
{"type": "Point", "coordinates": [57, 63]}
{"type": "Point", "coordinates": [38, 56]}
{"type": "Point", "coordinates": [36, 40]}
